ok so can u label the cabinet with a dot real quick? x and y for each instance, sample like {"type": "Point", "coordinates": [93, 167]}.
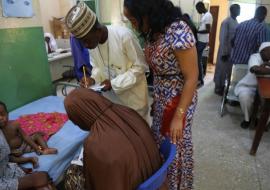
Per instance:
{"type": "Point", "coordinates": [58, 64]}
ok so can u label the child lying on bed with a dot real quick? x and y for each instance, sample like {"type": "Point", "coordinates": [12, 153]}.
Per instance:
{"type": "Point", "coordinates": [21, 143]}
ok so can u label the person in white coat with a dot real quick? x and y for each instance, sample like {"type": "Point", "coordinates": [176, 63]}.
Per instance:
{"type": "Point", "coordinates": [246, 87]}
{"type": "Point", "coordinates": [116, 57]}
{"type": "Point", "coordinates": [50, 43]}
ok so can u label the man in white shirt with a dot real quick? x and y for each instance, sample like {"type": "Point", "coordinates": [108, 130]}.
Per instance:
{"type": "Point", "coordinates": [203, 35]}
{"type": "Point", "coordinates": [246, 87]}
{"type": "Point", "coordinates": [116, 57]}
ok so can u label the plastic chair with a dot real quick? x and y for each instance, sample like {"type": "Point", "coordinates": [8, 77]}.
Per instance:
{"type": "Point", "coordinates": [168, 150]}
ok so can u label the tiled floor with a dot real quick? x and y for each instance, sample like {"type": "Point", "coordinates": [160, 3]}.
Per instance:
{"type": "Point", "coordinates": [221, 147]}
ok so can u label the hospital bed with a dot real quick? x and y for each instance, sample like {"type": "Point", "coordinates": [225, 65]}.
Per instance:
{"type": "Point", "coordinates": [26, 88]}
{"type": "Point", "coordinates": [68, 140]}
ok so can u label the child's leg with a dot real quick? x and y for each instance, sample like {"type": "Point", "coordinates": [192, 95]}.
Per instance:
{"type": "Point", "coordinates": [22, 160]}
{"type": "Point", "coordinates": [49, 151]}
{"type": "Point", "coordinates": [44, 147]}
{"type": "Point", "coordinates": [37, 138]}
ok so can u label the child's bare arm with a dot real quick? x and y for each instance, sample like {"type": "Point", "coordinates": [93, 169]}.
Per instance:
{"type": "Point", "coordinates": [20, 160]}
{"type": "Point", "coordinates": [27, 139]}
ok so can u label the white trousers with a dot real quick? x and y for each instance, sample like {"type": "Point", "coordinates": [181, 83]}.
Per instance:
{"type": "Point", "coordinates": [246, 99]}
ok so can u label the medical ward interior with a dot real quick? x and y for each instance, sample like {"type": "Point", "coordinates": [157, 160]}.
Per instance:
{"type": "Point", "coordinates": [28, 74]}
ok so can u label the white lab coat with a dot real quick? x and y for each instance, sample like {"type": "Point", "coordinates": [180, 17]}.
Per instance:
{"type": "Point", "coordinates": [127, 67]}
{"type": "Point", "coordinates": [246, 87]}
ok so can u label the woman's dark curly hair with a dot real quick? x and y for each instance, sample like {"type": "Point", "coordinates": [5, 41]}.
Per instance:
{"type": "Point", "coordinates": [161, 13]}
{"type": "Point", "coordinates": [4, 105]}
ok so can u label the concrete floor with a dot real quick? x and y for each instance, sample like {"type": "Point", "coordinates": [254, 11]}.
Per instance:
{"type": "Point", "coordinates": [221, 148]}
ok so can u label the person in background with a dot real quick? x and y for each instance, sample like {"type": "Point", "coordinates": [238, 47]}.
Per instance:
{"type": "Point", "coordinates": [246, 88]}
{"type": "Point", "coordinates": [203, 35]}
{"type": "Point", "coordinates": [50, 43]}
{"type": "Point", "coordinates": [80, 57]}
{"type": "Point", "coordinates": [249, 35]}
{"type": "Point", "coordinates": [171, 53]}
{"type": "Point", "coordinates": [120, 153]}
{"type": "Point", "coordinates": [116, 57]}
{"type": "Point", "coordinates": [227, 32]}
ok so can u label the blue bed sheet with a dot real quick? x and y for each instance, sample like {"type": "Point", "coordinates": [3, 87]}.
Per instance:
{"type": "Point", "coordinates": [68, 140]}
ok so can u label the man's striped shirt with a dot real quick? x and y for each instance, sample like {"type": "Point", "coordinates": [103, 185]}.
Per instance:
{"type": "Point", "coordinates": [248, 37]}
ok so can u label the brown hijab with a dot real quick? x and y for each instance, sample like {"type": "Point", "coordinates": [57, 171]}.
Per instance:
{"type": "Point", "coordinates": [120, 152]}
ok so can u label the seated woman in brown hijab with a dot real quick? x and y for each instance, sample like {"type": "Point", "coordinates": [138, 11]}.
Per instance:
{"type": "Point", "coordinates": [120, 152]}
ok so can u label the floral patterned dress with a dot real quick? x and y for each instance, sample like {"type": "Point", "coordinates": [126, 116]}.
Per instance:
{"type": "Point", "coordinates": [168, 86]}
{"type": "Point", "coordinates": [9, 172]}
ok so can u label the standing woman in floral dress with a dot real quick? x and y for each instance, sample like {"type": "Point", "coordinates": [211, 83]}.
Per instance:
{"type": "Point", "coordinates": [171, 53]}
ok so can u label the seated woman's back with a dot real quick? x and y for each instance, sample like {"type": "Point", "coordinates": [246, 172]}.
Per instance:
{"type": "Point", "coordinates": [120, 153]}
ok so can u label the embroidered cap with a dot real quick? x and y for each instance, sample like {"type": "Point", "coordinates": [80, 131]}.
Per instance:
{"type": "Point", "coordinates": [80, 20]}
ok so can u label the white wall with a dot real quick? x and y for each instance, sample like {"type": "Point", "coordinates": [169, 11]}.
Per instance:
{"type": "Point", "coordinates": [116, 7]}
{"type": "Point", "coordinates": [65, 6]}
{"type": "Point", "coordinates": [110, 11]}
{"type": "Point", "coordinates": [188, 6]}
{"type": "Point", "coordinates": [266, 3]}
{"type": "Point", "coordinates": [53, 8]}
{"type": "Point", "coordinates": [49, 9]}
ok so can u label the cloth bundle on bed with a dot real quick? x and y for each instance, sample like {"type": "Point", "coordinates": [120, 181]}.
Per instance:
{"type": "Point", "coordinates": [47, 123]}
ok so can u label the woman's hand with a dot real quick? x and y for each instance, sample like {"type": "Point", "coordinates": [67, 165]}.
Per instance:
{"type": "Point", "coordinates": [176, 128]}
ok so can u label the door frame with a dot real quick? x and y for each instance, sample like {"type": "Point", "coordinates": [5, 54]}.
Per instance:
{"type": "Point", "coordinates": [213, 33]}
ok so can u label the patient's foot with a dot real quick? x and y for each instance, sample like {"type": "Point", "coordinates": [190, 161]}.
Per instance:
{"type": "Point", "coordinates": [34, 161]}
{"type": "Point", "coordinates": [49, 151]}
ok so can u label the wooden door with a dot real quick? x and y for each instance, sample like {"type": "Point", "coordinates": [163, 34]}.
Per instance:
{"type": "Point", "coordinates": [214, 10]}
